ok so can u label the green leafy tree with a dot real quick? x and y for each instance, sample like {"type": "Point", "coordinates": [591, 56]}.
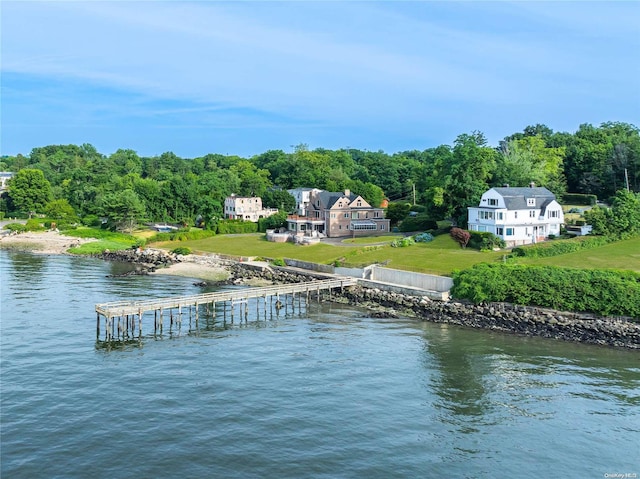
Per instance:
{"type": "Point", "coordinates": [459, 181]}
{"type": "Point", "coordinates": [29, 191]}
{"type": "Point", "coordinates": [280, 199]}
{"type": "Point", "coordinates": [397, 212]}
{"type": "Point", "coordinates": [60, 210]}
{"type": "Point", "coordinates": [621, 220]}
{"type": "Point", "coordinates": [124, 209]}
{"type": "Point", "coordinates": [529, 160]}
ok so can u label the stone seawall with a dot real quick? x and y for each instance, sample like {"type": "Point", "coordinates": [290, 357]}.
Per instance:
{"type": "Point", "coordinates": [146, 260]}
{"type": "Point", "coordinates": [503, 317]}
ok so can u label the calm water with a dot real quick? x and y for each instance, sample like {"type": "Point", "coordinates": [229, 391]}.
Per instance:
{"type": "Point", "coordinates": [330, 393]}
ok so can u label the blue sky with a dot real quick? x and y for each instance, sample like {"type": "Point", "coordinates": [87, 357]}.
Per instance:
{"type": "Point", "coordinates": [245, 77]}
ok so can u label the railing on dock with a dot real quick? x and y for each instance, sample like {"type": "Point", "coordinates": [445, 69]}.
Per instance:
{"type": "Point", "coordinates": [126, 312]}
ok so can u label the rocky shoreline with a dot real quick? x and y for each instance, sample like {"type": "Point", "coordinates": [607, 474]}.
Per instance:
{"type": "Point", "coordinates": [508, 318]}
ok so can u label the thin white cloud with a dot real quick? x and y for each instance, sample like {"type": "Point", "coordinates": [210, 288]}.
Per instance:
{"type": "Point", "coordinates": [327, 63]}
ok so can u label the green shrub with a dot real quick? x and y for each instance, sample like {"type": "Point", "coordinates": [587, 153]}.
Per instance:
{"type": "Point", "coordinates": [402, 242]}
{"type": "Point", "coordinates": [183, 250]}
{"type": "Point", "coordinates": [181, 235]}
{"type": "Point", "coordinates": [423, 238]}
{"type": "Point", "coordinates": [579, 199]}
{"type": "Point", "coordinates": [236, 227]}
{"type": "Point", "coordinates": [484, 241]}
{"type": "Point", "coordinates": [418, 208]}
{"type": "Point", "coordinates": [92, 221]}
{"type": "Point", "coordinates": [272, 222]}
{"type": "Point", "coordinates": [420, 222]}
{"type": "Point", "coordinates": [278, 262]}
{"type": "Point", "coordinates": [16, 227]}
{"type": "Point", "coordinates": [544, 250]}
{"type": "Point", "coordinates": [35, 224]}
{"type": "Point", "coordinates": [605, 292]}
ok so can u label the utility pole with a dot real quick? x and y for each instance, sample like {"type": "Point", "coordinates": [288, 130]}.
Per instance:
{"type": "Point", "coordinates": [626, 178]}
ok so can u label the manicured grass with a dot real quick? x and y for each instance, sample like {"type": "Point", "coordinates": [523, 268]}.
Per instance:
{"type": "Point", "coordinates": [256, 245]}
{"type": "Point", "coordinates": [372, 239]}
{"type": "Point", "coordinates": [441, 256]}
{"type": "Point", "coordinates": [619, 255]}
{"type": "Point", "coordinates": [106, 240]}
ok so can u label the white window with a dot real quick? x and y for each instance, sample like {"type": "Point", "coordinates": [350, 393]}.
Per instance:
{"type": "Point", "coordinates": [532, 213]}
{"type": "Point", "coordinates": [500, 215]}
{"type": "Point", "coordinates": [531, 201]}
{"type": "Point", "coordinates": [515, 215]}
{"type": "Point", "coordinates": [493, 202]}
{"type": "Point", "coordinates": [499, 231]}
{"type": "Point", "coordinates": [346, 215]}
{"type": "Point", "coordinates": [554, 214]}
{"type": "Point", "coordinates": [509, 231]}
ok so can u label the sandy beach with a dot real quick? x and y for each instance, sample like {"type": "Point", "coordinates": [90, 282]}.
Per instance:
{"type": "Point", "coordinates": [193, 269]}
{"type": "Point", "coordinates": [52, 242]}
{"type": "Point", "coordinates": [41, 242]}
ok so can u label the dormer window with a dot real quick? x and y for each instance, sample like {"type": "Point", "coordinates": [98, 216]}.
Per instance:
{"type": "Point", "coordinates": [531, 201]}
{"type": "Point", "coordinates": [493, 202]}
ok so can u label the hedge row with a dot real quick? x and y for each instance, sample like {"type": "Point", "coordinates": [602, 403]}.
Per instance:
{"type": "Point", "coordinates": [605, 292]}
{"type": "Point", "coordinates": [181, 235]}
{"type": "Point", "coordinates": [555, 248]}
{"type": "Point", "coordinates": [484, 240]}
{"type": "Point", "coordinates": [579, 199]}
{"type": "Point", "coordinates": [236, 227]}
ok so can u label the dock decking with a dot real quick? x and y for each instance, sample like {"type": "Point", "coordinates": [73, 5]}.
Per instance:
{"type": "Point", "coordinates": [126, 312]}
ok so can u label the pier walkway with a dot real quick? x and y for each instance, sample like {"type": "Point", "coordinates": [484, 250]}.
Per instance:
{"type": "Point", "coordinates": [121, 316]}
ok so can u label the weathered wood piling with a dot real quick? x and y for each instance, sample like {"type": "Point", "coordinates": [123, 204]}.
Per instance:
{"type": "Point", "coordinates": [120, 316]}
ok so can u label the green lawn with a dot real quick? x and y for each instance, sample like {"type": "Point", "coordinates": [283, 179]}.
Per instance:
{"type": "Point", "coordinates": [441, 256]}
{"type": "Point", "coordinates": [373, 239]}
{"type": "Point", "coordinates": [619, 255]}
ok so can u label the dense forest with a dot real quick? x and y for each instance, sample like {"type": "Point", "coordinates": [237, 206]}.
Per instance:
{"type": "Point", "coordinates": [78, 181]}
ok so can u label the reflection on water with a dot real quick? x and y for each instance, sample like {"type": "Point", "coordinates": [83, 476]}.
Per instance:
{"type": "Point", "coordinates": [323, 391]}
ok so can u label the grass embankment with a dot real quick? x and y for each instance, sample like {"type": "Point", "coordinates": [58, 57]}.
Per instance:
{"type": "Point", "coordinates": [623, 255]}
{"type": "Point", "coordinates": [602, 291]}
{"type": "Point", "coordinates": [106, 240]}
{"type": "Point", "coordinates": [441, 256]}
{"type": "Point", "coordinates": [373, 239]}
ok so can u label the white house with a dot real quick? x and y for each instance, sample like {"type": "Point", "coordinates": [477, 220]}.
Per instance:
{"type": "Point", "coordinates": [246, 208]}
{"type": "Point", "coordinates": [517, 215]}
{"type": "Point", "coordinates": [303, 198]}
{"type": "Point", "coordinates": [5, 176]}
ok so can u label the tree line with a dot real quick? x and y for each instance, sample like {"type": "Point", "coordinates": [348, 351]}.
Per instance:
{"type": "Point", "coordinates": [77, 180]}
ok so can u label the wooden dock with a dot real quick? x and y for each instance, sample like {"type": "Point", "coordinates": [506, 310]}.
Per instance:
{"type": "Point", "coordinates": [121, 317]}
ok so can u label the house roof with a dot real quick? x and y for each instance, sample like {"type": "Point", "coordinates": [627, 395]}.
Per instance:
{"type": "Point", "coordinates": [329, 198]}
{"type": "Point", "coordinates": [516, 198]}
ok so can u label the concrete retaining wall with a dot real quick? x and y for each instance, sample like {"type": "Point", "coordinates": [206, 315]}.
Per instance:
{"type": "Point", "coordinates": [404, 290]}
{"type": "Point", "coordinates": [352, 272]}
{"type": "Point", "coordinates": [428, 282]}
{"type": "Point", "coordinates": [321, 268]}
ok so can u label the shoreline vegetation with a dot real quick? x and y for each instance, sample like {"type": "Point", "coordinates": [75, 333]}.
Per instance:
{"type": "Point", "coordinates": [522, 320]}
